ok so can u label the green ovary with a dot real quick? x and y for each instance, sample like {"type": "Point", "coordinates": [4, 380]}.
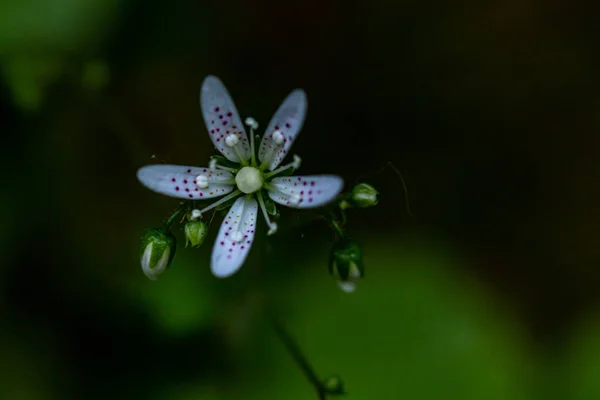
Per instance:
{"type": "Point", "coordinates": [249, 180]}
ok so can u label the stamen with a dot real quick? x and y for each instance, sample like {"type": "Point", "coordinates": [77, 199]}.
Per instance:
{"type": "Point", "coordinates": [251, 122]}
{"type": "Point", "coordinates": [230, 196]}
{"type": "Point", "coordinates": [212, 165]}
{"type": "Point", "coordinates": [243, 161]}
{"type": "Point", "coordinates": [293, 198]}
{"type": "Point", "coordinates": [294, 164]}
{"type": "Point", "coordinates": [272, 225]}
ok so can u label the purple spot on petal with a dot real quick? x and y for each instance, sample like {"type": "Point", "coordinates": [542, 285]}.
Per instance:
{"type": "Point", "coordinates": [216, 109]}
{"type": "Point", "coordinates": [177, 188]}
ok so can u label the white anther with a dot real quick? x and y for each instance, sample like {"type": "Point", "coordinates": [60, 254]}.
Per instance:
{"type": "Point", "coordinates": [251, 122]}
{"type": "Point", "coordinates": [232, 140]}
{"type": "Point", "coordinates": [202, 181]}
{"type": "Point", "coordinates": [195, 214]}
{"type": "Point", "coordinates": [297, 161]}
{"type": "Point", "coordinates": [212, 165]}
{"type": "Point", "coordinates": [294, 199]}
{"type": "Point", "coordinates": [272, 228]}
{"type": "Point", "coordinates": [237, 236]}
{"type": "Point", "coordinates": [278, 137]}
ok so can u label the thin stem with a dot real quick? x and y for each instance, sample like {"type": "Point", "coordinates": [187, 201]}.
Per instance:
{"type": "Point", "coordinates": [336, 226]}
{"type": "Point", "coordinates": [297, 355]}
{"type": "Point", "coordinates": [176, 213]}
{"type": "Point", "coordinates": [272, 225]}
{"type": "Point", "coordinates": [252, 147]}
{"type": "Point", "coordinates": [280, 169]}
{"type": "Point", "coordinates": [221, 201]}
{"type": "Point", "coordinates": [267, 157]}
{"type": "Point", "coordinates": [243, 161]}
{"type": "Point", "coordinates": [221, 167]}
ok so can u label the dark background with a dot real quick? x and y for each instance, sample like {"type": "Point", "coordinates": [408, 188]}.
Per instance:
{"type": "Point", "coordinates": [490, 111]}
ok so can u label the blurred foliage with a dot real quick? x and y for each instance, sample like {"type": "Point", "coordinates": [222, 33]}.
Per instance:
{"type": "Point", "coordinates": [490, 110]}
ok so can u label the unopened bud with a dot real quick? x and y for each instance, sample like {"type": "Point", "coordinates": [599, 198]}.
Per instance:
{"type": "Point", "coordinates": [363, 195]}
{"type": "Point", "coordinates": [157, 252]}
{"type": "Point", "coordinates": [345, 261]}
{"type": "Point", "coordinates": [333, 385]}
{"type": "Point", "coordinates": [195, 233]}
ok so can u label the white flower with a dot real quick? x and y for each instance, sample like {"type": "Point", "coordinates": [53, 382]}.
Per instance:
{"type": "Point", "coordinates": [254, 178]}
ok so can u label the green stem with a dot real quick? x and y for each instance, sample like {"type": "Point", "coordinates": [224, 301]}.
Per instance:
{"type": "Point", "coordinates": [337, 227]}
{"type": "Point", "coordinates": [297, 355]}
{"type": "Point", "coordinates": [175, 214]}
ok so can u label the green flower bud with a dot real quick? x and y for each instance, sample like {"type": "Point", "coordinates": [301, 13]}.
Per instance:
{"type": "Point", "coordinates": [363, 195]}
{"type": "Point", "coordinates": [157, 252]}
{"type": "Point", "coordinates": [345, 261]}
{"type": "Point", "coordinates": [333, 386]}
{"type": "Point", "coordinates": [195, 233]}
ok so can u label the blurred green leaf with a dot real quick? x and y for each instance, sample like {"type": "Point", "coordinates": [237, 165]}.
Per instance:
{"type": "Point", "coordinates": [416, 328]}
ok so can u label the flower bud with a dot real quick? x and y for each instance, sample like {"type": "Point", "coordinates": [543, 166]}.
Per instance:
{"type": "Point", "coordinates": [195, 233]}
{"type": "Point", "coordinates": [157, 252]}
{"type": "Point", "coordinates": [333, 385]}
{"type": "Point", "coordinates": [345, 261]}
{"type": "Point", "coordinates": [364, 195]}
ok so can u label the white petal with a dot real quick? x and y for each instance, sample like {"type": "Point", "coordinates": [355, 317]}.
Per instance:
{"type": "Point", "coordinates": [179, 181]}
{"type": "Point", "coordinates": [288, 121]}
{"type": "Point", "coordinates": [305, 191]}
{"type": "Point", "coordinates": [222, 119]}
{"type": "Point", "coordinates": [235, 238]}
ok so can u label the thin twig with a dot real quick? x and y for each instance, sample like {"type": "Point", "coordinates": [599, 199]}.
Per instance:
{"type": "Point", "coordinates": [297, 355]}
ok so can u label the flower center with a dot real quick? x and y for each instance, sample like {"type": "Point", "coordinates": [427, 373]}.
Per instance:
{"type": "Point", "coordinates": [249, 180]}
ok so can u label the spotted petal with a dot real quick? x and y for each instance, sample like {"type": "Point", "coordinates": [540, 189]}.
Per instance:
{"type": "Point", "coordinates": [235, 238]}
{"type": "Point", "coordinates": [180, 181]}
{"type": "Point", "coordinates": [305, 191]}
{"type": "Point", "coordinates": [288, 121]}
{"type": "Point", "coordinates": [222, 119]}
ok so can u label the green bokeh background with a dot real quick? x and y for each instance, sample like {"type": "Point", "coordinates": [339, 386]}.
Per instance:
{"type": "Point", "coordinates": [490, 110]}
